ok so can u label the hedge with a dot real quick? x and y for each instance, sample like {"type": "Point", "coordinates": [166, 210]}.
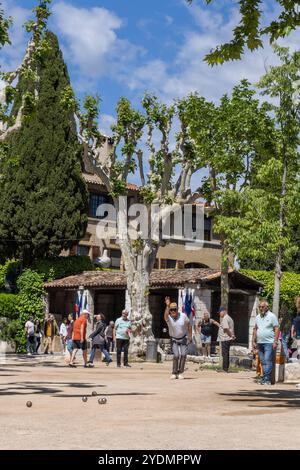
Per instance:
{"type": "Point", "coordinates": [9, 305]}
{"type": "Point", "coordinates": [64, 266]}
{"type": "Point", "coordinates": [289, 288]}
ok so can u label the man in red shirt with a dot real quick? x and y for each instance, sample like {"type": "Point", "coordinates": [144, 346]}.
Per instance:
{"type": "Point", "coordinates": [79, 337]}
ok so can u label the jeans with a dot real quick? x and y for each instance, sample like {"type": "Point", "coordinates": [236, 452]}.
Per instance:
{"type": "Point", "coordinates": [266, 358]}
{"type": "Point", "coordinates": [284, 341]}
{"type": "Point", "coordinates": [122, 344]}
{"type": "Point", "coordinates": [110, 344]}
{"type": "Point", "coordinates": [30, 346]}
{"type": "Point", "coordinates": [180, 350]}
{"type": "Point", "coordinates": [225, 345]}
{"type": "Point", "coordinates": [103, 350]}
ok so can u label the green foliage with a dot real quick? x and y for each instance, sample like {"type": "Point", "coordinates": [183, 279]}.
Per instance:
{"type": "Point", "coordinates": [57, 268]}
{"type": "Point", "coordinates": [5, 23]}
{"type": "Point", "coordinates": [11, 268]}
{"type": "Point", "coordinates": [31, 291]}
{"type": "Point", "coordinates": [44, 199]}
{"type": "Point", "coordinates": [31, 303]}
{"type": "Point", "coordinates": [9, 305]}
{"type": "Point", "coordinates": [249, 32]}
{"type": "Point", "coordinates": [290, 286]}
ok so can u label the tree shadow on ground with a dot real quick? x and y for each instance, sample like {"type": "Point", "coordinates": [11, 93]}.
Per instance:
{"type": "Point", "coordinates": [35, 388]}
{"type": "Point", "coordinates": [277, 398]}
{"type": "Point", "coordinates": [127, 394]}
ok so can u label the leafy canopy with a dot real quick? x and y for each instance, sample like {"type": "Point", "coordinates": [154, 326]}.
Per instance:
{"type": "Point", "coordinates": [248, 34]}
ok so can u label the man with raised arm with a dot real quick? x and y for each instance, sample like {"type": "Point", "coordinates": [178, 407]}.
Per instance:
{"type": "Point", "coordinates": [180, 331]}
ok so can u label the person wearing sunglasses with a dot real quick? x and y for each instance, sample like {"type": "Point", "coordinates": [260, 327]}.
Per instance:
{"type": "Point", "coordinates": [180, 331]}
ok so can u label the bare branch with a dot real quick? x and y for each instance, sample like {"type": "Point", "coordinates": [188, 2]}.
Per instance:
{"type": "Point", "coordinates": [139, 154]}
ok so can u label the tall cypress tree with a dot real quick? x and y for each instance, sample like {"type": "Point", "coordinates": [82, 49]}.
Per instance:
{"type": "Point", "coordinates": [43, 198]}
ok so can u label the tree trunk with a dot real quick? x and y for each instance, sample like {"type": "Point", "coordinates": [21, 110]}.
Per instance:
{"type": "Point", "coordinates": [138, 285]}
{"type": "Point", "coordinates": [224, 275]}
{"type": "Point", "coordinates": [277, 282]}
{"type": "Point", "coordinates": [278, 266]}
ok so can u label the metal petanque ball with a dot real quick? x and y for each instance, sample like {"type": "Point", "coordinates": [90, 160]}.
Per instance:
{"type": "Point", "coordinates": [84, 399]}
{"type": "Point", "coordinates": [102, 401]}
{"type": "Point", "coordinates": [94, 394]}
{"type": "Point", "coordinates": [29, 404]}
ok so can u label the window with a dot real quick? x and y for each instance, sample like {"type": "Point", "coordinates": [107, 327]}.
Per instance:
{"type": "Point", "coordinates": [83, 250]}
{"type": "Point", "coordinates": [195, 265]}
{"type": "Point", "coordinates": [95, 201]}
{"type": "Point", "coordinates": [167, 263]}
{"type": "Point", "coordinates": [207, 228]}
{"type": "Point", "coordinates": [115, 256]}
{"type": "Point", "coordinates": [207, 225]}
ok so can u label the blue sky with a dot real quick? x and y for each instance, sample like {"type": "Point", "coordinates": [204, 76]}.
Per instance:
{"type": "Point", "coordinates": [126, 47]}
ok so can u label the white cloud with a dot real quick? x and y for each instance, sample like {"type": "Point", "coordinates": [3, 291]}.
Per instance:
{"type": "Point", "coordinates": [91, 39]}
{"type": "Point", "coordinates": [188, 72]}
{"type": "Point", "coordinates": [12, 55]}
{"type": "Point", "coordinates": [106, 121]}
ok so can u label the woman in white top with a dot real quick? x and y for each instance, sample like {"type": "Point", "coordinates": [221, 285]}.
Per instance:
{"type": "Point", "coordinates": [63, 335]}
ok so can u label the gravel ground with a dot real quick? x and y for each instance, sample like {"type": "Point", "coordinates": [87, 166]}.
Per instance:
{"type": "Point", "coordinates": [144, 410]}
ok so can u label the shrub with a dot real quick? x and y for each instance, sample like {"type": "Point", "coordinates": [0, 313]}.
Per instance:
{"type": "Point", "coordinates": [9, 305]}
{"type": "Point", "coordinates": [58, 268]}
{"type": "Point", "coordinates": [289, 289]}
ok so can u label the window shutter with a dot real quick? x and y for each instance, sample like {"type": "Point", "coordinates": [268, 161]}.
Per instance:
{"type": "Point", "coordinates": [163, 264]}
{"type": "Point", "coordinates": [180, 264]}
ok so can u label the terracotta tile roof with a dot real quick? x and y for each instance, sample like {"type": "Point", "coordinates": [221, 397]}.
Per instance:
{"type": "Point", "coordinates": [159, 278]}
{"type": "Point", "coordinates": [94, 179]}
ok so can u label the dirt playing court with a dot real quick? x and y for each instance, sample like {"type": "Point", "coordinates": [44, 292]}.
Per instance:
{"type": "Point", "coordinates": [144, 410]}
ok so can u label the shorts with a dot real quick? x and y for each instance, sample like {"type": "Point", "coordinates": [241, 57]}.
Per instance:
{"type": "Point", "coordinates": [79, 345]}
{"type": "Point", "coordinates": [206, 339]}
{"type": "Point", "coordinates": [70, 345]}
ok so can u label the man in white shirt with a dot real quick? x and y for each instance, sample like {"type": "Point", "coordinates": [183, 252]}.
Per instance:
{"type": "Point", "coordinates": [180, 331]}
{"type": "Point", "coordinates": [29, 331]}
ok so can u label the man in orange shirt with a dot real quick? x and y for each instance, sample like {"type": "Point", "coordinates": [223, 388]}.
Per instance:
{"type": "Point", "coordinates": [79, 337]}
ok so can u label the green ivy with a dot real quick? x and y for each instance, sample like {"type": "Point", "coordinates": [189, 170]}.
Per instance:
{"type": "Point", "coordinates": [10, 267]}
{"type": "Point", "coordinates": [57, 268]}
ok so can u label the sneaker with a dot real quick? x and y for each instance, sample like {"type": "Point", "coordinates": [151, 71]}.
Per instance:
{"type": "Point", "coordinates": [258, 380]}
{"type": "Point", "coordinates": [108, 362]}
{"type": "Point", "coordinates": [180, 376]}
{"type": "Point", "coordinates": [90, 364]}
{"type": "Point", "coordinates": [72, 365]}
{"type": "Point", "coordinates": [173, 376]}
{"type": "Point", "coordinates": [29, 354]}
{"type": "Point", "coordinates": [267, 383]}
{"type": "Point", "coordinates": [127, 365]}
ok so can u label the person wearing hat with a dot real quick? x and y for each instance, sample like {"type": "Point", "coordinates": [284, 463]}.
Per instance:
{"type": "Point", "coordinates": [180, 331]}
{"type": "Point", "coordinates": [79, 337]}
{"type": "Point", "coordinates": [226, 335]}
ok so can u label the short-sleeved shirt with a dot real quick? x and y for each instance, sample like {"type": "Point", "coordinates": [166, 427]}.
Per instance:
{"type": "Point", "coordinates": [29, 328]}
{"type": "Point", "coordinates": [296, 323]}
{"type": "Point", "coordinates": [77, 327]}
{"type": "Point", "coordinates": [226, 323]}
{"type": "Point", "coordinates": [265, 325]}
{"type": "Point", "coordinates": [121, 327]}
{"type": "Point", "coordinates": [178, 328]}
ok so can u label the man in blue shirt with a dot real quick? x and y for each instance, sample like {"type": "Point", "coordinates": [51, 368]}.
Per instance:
{"type": "Point", "coordinates": [265, 339]}
{"type": "Point", "coordinates": [295, 333]}
{"type": "Point", "coordinates": [122, 331]}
